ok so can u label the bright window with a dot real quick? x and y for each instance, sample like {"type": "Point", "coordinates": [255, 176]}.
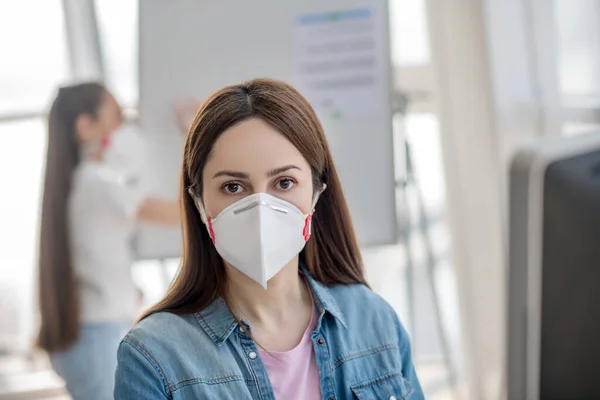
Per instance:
{"type": "Point", "coordinates": [118, 28]}
{"type": "Point", "coordinates": [408, 33]}
{"type": "Point", "coordinates": [22, 160]}
{"type": "Point", "coordinates": [578, 27]}
{"type": "Point", "coordinates": [34, 55]}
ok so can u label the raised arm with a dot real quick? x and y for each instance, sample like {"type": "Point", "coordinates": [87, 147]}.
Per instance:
{"type": "Point", "coordinates": [159, 211]}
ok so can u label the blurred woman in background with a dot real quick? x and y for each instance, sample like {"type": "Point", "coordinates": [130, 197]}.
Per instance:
{"type": "Point", "coordinates": [87, 296]}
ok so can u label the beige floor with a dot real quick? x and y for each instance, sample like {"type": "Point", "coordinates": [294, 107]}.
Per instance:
{"type": "Point", "coordinates": [24, 377]}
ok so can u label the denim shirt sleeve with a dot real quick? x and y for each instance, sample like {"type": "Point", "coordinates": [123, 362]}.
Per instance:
{"type": "Point", "coordinates": [408, 367]}
{"type": "Point", "coordinates": [137, 376]}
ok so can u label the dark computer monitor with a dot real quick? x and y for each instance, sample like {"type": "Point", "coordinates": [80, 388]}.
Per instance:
{"type": "Point", "coordinates": [554, 271]}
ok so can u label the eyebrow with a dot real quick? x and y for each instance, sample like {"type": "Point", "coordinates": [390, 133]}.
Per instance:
{"type": "Point", "coordinates": [244, 175]}
{"type": "Point", "coordinates": [233, 174]}
{"type": "Point", "coordinates": [277, 171]}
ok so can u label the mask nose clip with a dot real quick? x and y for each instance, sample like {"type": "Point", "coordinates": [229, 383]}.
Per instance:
{"type": "Point", "coordinates": [260, 203]}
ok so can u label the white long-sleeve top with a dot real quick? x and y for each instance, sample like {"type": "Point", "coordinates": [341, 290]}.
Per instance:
{"type": "Point", "coordinates": [102, 213]}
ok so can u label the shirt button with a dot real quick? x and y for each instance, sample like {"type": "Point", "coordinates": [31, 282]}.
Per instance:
{"type": "Point", "coordinates": [392, 397]}
{"type": "Point", "coordinates": [252, 355]}
{"type": "Point", "coordinates": [320, 341]}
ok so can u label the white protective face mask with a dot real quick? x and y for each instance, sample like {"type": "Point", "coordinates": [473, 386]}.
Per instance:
{"type": "Point", "coordinates": [259, 234]}
{"type": "Point", "coordinates": [127, 150]}
{"type": "Point", "coordinates": [125, 158]}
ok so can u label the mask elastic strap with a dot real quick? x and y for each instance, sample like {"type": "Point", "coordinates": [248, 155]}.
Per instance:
{"type": "Point", "coordinates": [105, 143]}
{"type": "Point", "coordinates": [306, 232]}
{"type": "Point", "coordinates": [314, 203]}
{"type": "Point", "coordinates": [206, 220]}
{"type": "Point", "coordinates": [307, 227]}
{"type": "Point", "coordinates": [204, 217]}
{"type": "Point", "coordinates": [211, 231]}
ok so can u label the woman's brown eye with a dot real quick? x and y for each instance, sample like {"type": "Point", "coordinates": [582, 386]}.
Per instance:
{"type": "Point", "coordinates": [285, 184]}
{"type": "Point", "coordinates": [232, 188]}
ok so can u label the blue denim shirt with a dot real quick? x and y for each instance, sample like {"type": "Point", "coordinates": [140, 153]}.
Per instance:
{"type": "Point", "coordinates": [362, 352]}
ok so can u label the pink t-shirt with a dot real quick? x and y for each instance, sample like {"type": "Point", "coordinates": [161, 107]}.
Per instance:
{"type": "Point", "coordinates": [294, 374]}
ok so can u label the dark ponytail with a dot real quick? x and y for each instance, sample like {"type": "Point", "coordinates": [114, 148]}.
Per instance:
{"type": "Point", "coordinates": [58, 295]}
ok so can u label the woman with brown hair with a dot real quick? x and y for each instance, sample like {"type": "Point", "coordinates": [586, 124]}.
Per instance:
{"type": "Point", "coordinates": [271, 299]}
{"type": "Point", "coordinates": [87, 297]}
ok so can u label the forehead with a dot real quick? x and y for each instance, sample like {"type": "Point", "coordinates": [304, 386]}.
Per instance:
{"type": "Point", "coordinates": [253, 146]}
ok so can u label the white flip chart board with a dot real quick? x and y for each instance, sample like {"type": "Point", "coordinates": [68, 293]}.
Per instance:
{"type": "Point", "coordinates": [336, 52]}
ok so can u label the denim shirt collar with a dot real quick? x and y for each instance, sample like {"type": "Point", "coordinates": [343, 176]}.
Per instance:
{"type": "Point", "coordinates": [218, 322]}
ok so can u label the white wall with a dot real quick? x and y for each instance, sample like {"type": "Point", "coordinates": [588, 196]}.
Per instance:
{"type": "Point", "coordinates": [493, 95]}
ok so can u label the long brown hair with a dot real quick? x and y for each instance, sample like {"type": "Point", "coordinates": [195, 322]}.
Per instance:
{"type": "Point", "coordinates": [58, 296]}
{"type": "Point", "coordinates": [332, 255]}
